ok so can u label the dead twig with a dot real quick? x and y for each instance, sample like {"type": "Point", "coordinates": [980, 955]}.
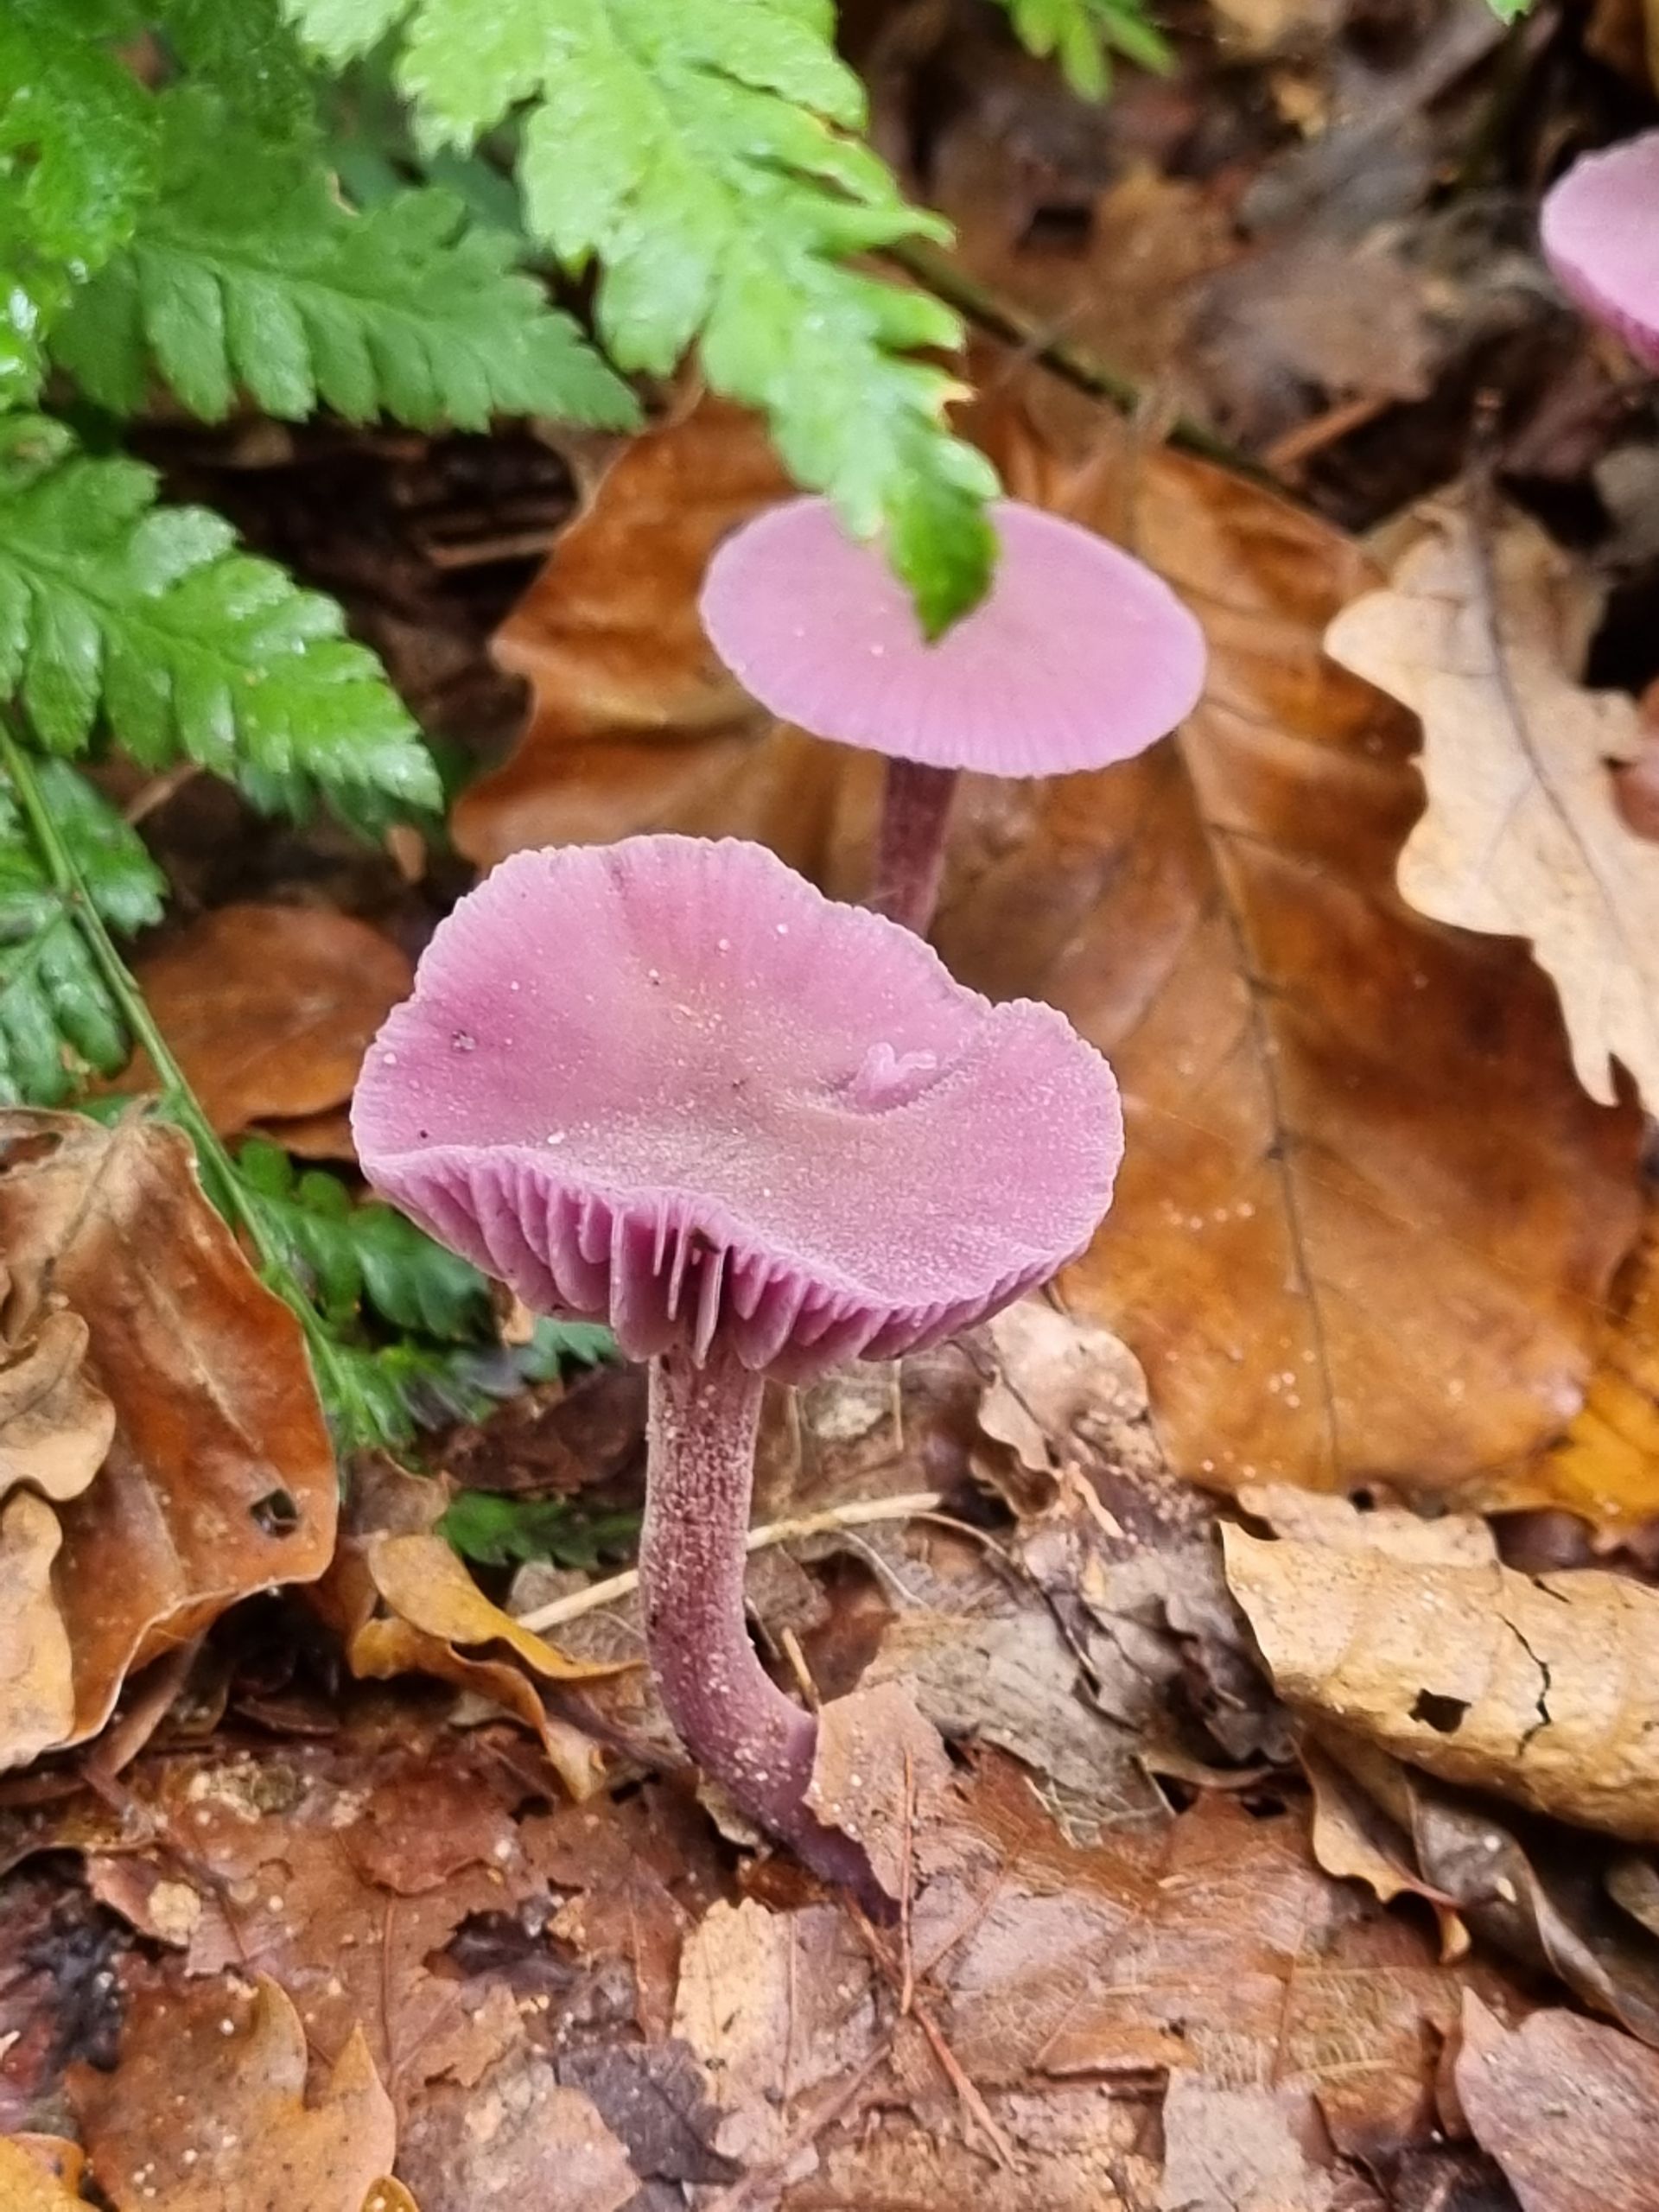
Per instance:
{"type": "Point", "coordinates": [862, 1513]}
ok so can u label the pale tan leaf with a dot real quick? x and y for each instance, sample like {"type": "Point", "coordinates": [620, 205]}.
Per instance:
{"type": "Point", "coordinates": [55, 1423]}
{"type": "Point", "coordinates": [1545, 1689]}
{"type": "Point", "coordinates": [1318, 1517]}
{"type": "Point", "coordinates": [37, 1689]}
{"type": "Point", "coordinates": [1481, 631]}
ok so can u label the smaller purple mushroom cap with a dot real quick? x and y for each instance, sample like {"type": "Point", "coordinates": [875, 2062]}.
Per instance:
{"type": "Point", "coordinates": [1079, 655]}
{"type": "Point", "coordinates": [667, 1083]}
{"type": "Point", "coordinates": [1600, 233]}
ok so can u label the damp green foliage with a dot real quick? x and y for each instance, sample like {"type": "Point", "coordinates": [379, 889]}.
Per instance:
{"type": "Point", "coordinates": [277, 290]}
{"type": "Point", "coordinates": [57, 1014]}
{"type": "Point", "coordinates": [705, 156]}
{"type": "Point", "coordinates": [495, 1530]}
{"type": "Point", "coordinates": [116, 612]}
{"type": "Point", "coordinates": [1082, 36]}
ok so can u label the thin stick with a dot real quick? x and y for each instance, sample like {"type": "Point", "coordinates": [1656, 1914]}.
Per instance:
{"type": "Point", "coordinates": [1073, 365]}
{"type": "Point", "coordinates": [860, 1513]}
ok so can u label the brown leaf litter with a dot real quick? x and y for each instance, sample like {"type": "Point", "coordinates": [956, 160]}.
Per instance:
{"type": "Point", "coordinates": [219, 1478]}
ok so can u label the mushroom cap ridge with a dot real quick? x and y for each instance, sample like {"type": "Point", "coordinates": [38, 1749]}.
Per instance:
{"type": "Point", "coordinates": [1600, 235]}
{"type": "Point", "coordinates": [667, 1083]}
{"type": "Point", "coordinates": [1079, 656]}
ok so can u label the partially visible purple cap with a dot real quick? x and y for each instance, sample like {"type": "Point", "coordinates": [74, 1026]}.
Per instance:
{"type": "Point", "coordinates": [1600, 232]}
{"type": "Point", "coordinates": [667, 1083]}
{"type": "Point", "coordinates": [1079, 655]}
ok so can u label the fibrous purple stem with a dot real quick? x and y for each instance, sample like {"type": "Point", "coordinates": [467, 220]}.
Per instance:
{"type": "Point", "coordinates": [732, 1718]}
{"type": "Point", "coordinates": [910, 854]}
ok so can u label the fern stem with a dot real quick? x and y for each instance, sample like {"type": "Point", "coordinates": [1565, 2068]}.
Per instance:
{"type": "Point", "coordinates": [220, 1179]}
{"type": "Point", "coordinates": [1073, 365]}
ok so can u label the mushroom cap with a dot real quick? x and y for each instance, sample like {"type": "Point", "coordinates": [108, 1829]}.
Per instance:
{"type": "Point", "coordinates": [1600, 232]}
{"type": "Point", "coordinates": [667, 1083]}
{"type": "Point", "coordinates": [1079, 655]}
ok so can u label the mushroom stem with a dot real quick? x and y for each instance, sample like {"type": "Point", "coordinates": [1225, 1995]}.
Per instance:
{"type": "Point", "coordinates": [732, 1718]}
{"type": "Point", "coordinates": [910, 856]}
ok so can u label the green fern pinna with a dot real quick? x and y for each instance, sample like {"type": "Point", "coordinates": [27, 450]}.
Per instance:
{"type": "Point", "coordinates": [299, 204]}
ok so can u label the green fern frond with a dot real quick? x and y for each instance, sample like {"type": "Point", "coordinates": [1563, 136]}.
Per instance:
{"type": "Point", "coordinates": [700, 150]}
{"type": "Point", "coordinates": [275, 287]}
{"type": "Point", "coordinates": [149, 616]}
{"type": "Point", "coordinates": [248, 53]}
{"type": "Point", "coordinates": [57, 1016]}
{"type": "Point", "coordinates": [77, 160]}
{"type": "Point", "coordinates": [362, 1256]}
{"type": "Point", "coordinates": [1083, 35]}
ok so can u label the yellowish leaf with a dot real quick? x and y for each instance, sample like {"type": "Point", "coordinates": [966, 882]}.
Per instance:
{"type": "Point", "coordinates": [425, 1583]}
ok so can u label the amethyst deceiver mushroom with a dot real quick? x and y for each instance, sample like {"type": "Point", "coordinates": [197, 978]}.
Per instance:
{"type": "Point", "coordinates": [1079, 656]}
{"type": "Point", "coordinates": [1600, 234]}
{"type": "Point", "coordinates": [667, 1083]}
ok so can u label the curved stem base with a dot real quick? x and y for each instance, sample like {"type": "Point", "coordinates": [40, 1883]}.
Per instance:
{"type": "Point", "coordinates": [910, 854]}
{"type": "Point", "coordinates": [732, 1718]}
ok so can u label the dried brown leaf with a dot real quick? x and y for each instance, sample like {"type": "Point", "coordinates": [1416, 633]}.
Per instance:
{"type": "Point", "coordinates": [1569, 2109]}
{"type": "Point", "coordinates": [1541, 1688]}
{"type": "Point", "coordinates": [1481, 631]}
{"type": "Point", "coordinates": [220, 1479]}
{"type": "Point", "coordinates": [1325, 1250]}
{"type": "Point", "coordinates": [1605, 1465]}
{"type": "Point", "coordinates": [208, 2108]}
{"type": "Point", "coordinates": [383, 1650]}
{"type": "Point", "coordinates": [269, 1010]}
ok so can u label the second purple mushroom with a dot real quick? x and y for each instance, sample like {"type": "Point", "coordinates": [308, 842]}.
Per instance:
{"type": "Point", "coordinates": [1079, 656]}
{"type": "Point", "coordinates": [668, 1084]}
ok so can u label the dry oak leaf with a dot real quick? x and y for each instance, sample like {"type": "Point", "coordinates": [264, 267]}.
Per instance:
{"type": "Point", "coordinates": [1479, 632]}
{"type": "Point", "coordinates": [55, 1423]}
{"type": "Point", "coordinates": [1568, 2108]}
{"type": "Point", "coordinates": [1341, 1239]}
{"type": "Point", "coordinates": [269, 1010]}
{"type": "Point", "coordinates": [220, 1480]}
{"type": "Point", "coordinates": [1544, 1689]}
{"type": "Point", "coordinates": [208, 2109]}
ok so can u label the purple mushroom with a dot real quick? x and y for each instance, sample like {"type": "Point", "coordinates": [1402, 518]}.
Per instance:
{"type": "Point", "coordinates": [1600, 233]}
{"type": "Point", "coordinates": [1078, 657]}
{"type": "Point", "coordinates": [667, 1083]}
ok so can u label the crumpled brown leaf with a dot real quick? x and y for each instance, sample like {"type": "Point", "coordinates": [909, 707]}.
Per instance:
{"type": "Point", "coordinates": [219, 1479]}
{"type": "Point", "coordinates": [208, 2108]}
{"type": "Point", "coordinates": [1482, 631]}
{"type": "Point", "coordinates": [520, 2139]}
{"type": "Point", "coordinates": [1337, 1232]}
{"type": "Point", "coordinates": [1542, 1688]}
{"type": "Point", "coordinates": [1533, 1892]}
{"type": "Point", "coordinates": [1569, 2109]}
{"type": "Point", "coordinates": [269, 1010]}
